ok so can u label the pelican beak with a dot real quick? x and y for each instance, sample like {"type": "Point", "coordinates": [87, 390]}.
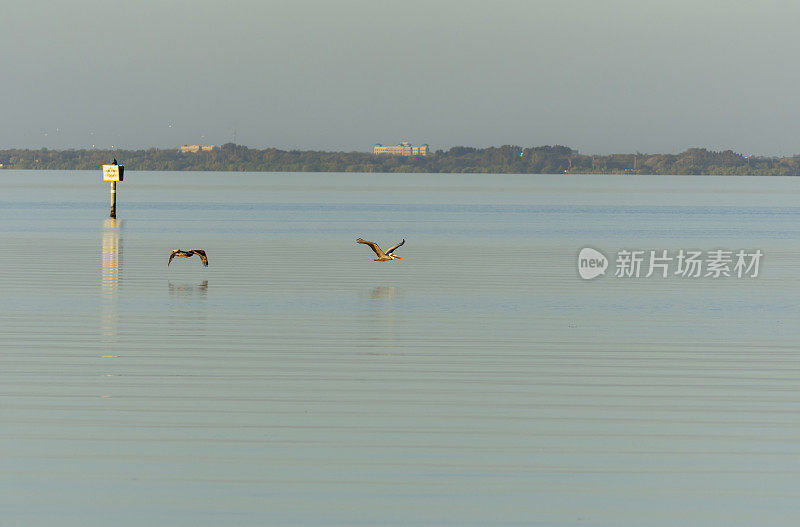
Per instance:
{"type": "Point", "coordinates": [399, 258]}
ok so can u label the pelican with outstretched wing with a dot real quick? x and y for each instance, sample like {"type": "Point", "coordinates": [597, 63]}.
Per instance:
{"type": "Point", "coordinates": [383, 256]}
{"type": "Point", "coordinates": [188, 254]}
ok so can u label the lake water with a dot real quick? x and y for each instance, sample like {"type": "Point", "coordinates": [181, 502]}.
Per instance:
{"type": "Point", "coordinates": [477, 381]}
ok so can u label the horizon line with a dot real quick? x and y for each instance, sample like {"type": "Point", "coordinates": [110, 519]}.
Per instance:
{"type": "Point", "coordinates": [575, 151]}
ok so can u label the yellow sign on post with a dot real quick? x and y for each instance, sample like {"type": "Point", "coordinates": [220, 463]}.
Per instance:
{"type": "Point", "coordinates": [113, 172]}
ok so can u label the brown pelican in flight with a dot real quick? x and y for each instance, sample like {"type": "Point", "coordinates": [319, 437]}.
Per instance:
{"type": "Point", "coordinates": [383, 256]}
{"type": "Point", "coordinates": [187, 254]}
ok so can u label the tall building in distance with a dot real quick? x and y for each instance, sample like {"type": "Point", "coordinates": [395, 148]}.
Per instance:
{"type": "Point", "coordinates": [403, 149]}
{"type": "Point", "coordinates": [196, 148]}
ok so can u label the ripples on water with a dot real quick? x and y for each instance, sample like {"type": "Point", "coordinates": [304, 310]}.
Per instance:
{"type": "Point", "coordinates": [477, 381]}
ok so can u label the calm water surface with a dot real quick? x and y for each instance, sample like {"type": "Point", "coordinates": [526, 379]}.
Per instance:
{"type": "Point", "coordinates": [478, 381]}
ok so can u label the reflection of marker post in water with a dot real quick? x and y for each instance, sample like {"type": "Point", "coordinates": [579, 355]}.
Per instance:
{"type": "Point", "coordinates": [111, 269]}
{"type": "Point", "coordinates": [113, 173]}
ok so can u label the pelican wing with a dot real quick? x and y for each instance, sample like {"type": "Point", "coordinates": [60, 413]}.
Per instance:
{"type": "Point", "coordinates": [374, 247]}
{"type": "Point", "coordinates": [392, 249]}
{"type": "Point", "coordinates": [171, 256]}
{"type": "Point", "coordinates": [202, 254]}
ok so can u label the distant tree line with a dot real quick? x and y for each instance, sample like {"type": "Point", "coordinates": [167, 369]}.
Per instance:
{"type": "Point", "coordinates": [504, 159]}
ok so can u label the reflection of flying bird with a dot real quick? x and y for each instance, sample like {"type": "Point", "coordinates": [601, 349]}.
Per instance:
{"type": "Point", "coordinates": [188, 254]}
{"type": "Point", "coordinates": [383, 256]}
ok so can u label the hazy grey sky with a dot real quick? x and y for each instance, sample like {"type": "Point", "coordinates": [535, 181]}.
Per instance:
{"type": "Point", "coordinates": [598, 75]}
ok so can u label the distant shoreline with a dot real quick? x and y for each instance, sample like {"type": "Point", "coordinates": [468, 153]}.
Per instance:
{"type": "Point", "coordinates": [506, 159]}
